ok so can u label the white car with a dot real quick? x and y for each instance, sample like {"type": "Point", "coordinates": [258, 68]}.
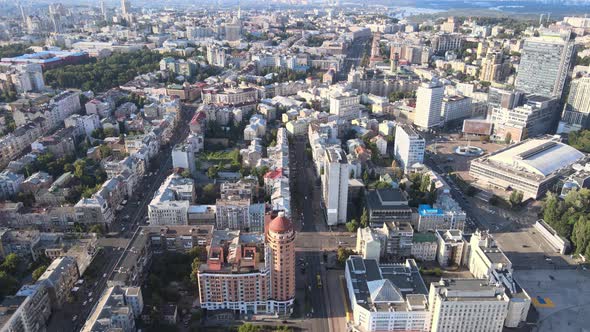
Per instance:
{"type": "Point", "coordinates": [74, 318]}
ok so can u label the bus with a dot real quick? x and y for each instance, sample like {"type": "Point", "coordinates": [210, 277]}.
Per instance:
{"type": "Point", "coordinates": [319, 280]}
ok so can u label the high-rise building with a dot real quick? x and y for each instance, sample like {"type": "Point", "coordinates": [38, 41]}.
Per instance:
{"type": "Point", "coordinates": [335, 185]}
{"type": "Point", "coordinates": [577, 109]}
{"type": "Point", "coordinates": [465, 305]}
{"type": "Point", "coordinates": [544, 64]}
{"type": "Point", "coordinates": [493, 68]}
{"type": "Point", "coordinates": [248, 272]}
{"type": "Point", "coordinates": [125, 7]}
{"type": "Point", "coordinates": [408, 147]}
{"type": "Point", "coordinates": [280, 238]}
{"type": "Point", "coordinates": [429, 99]}
{"type": "Point", "coordinates": [216, 55]}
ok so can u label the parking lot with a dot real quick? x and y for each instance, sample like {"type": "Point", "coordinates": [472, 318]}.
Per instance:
{"type": "Point", "coordinates": [562, 298]}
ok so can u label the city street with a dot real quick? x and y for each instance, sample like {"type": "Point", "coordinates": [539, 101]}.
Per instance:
{"type": "Point", "coordinates": [73, 315]}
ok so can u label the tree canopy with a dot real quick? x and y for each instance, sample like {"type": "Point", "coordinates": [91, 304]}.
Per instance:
{"type": "Point", "coordinates": [102, 74]}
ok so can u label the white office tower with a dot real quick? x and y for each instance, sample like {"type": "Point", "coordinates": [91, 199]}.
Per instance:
{"type": "Point", "coordinates": [544, 64]}
{"type": "Point", "coordinates": [335, 185]}
{"type": "Point", "coordinates": [467, 305]}
{"type": "Point", "coordinates": [576, 110]}
{"type": "Point", "coordinates": [429, 99]}
{"type": "Point", "coordinates": [408, 147]}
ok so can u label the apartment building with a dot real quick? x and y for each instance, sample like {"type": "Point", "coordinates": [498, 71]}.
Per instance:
{"type": "Point", "coordinates": [247, 273]}
{"type": "Point", "coordinates": [451, 247]}
{"type": "Point", "coordinates": [345, 104]}
{"type": "Point", "coordinates": [117, 309]}
{"type": "Point", "coordinates": [408, 147]}
{"type": "Point", "coordinates": [27, 311]}
{"type": "Point", "coordinates": [171, 201]}
{"type": "Point", "coordinates": [59, 277]}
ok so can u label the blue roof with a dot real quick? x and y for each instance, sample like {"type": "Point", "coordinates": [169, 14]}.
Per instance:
{"type": "Point", "coordinates": [425, 209]}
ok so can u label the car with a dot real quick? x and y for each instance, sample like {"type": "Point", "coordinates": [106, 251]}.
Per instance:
{"type": "Point", "coordinates": [104, 275]}
{"type": "Point", "coordinates": [89, 294]}
{"type": "Point", "coordinates": [74, 318]}
{"type": "Point", "coordinates": [90, 300]}
{"type": "Point", "coordinates": [84, 303]}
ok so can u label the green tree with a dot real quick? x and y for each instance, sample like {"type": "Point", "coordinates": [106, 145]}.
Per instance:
{"type": "Point", "coordinates": [515, 198]}
{"type": "Point", "coordinates": [10, 263]}
{"type": "Point", "coordinates": [38, 272]}
{"type": "Point", "coordinates": [209, 194]}
{"type": "Point", "coordinates": [352, 225]}
{"type": "Point", "coordinates": [79, 168]}
{"type": "Point", "coordinates": [212, 172]}
{"type": "Point", "coordinates": [8, 284]}
{"type": "Point", "coordinates": [342, 254]}
{"type": "Point", "coordinates": [365, 218]}
{"type": "Point", "coordinates": [382, 185]}
{"type": "Point", "coordinates": [249, 327]}
{"type": "Point", "coordinates": [425, 183]}
{"type": "Point", "coordinates": [186, 173]}
{"type": "Point", "coordinates": [97, 228]}
{"type": "Point", "coordinates": [508, 138]}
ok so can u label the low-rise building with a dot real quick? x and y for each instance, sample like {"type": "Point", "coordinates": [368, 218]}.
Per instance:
{"type": "Point", "coordinates": [171, 201]}
{"type": "Point", "coordinates": [385, 205]}
{"type": "Point", "coordinates": [424, 246]}
{"type": "Point", "coordinates": [390, 297]}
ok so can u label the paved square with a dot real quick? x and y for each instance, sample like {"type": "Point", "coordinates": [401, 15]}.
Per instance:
{"type": "Point", "coordinates": [567, 290]}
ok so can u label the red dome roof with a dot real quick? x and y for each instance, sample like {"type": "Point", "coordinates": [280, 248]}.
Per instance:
{"type": "Point", "coordinates": [280, 224]}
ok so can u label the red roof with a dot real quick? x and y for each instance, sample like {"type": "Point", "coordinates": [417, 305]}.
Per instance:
{"type": "Point", "coordinates": [274, 174]}
{"type": "Point", "coordinates": [280, 224]}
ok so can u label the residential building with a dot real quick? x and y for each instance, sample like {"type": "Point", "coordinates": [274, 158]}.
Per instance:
{"type": "Point", "coordinates": [335, 185]}
{"type": "Point", "coordinates": [443, 42]}
{"type": "Point", "coordinates": [27, 311]}
{"type": "Point", "coordinates": [387, 205]}
{"type": "Point", "coordinates": [429, 99]}
{"type": "Point", "coordinates": [398, 237]}
{"type": "Point", "coordinates": [532, 166]}
{"type": "Point", "coordinates": [577, 109]}
{"type": "Point", "coordinates": [389, 297]}
{"type": "Point", "coordinates": [243, 273]}
{"type": "Point", "coordinates": [116, 310]}
{"type": "Point", "coordinates": [408, 147]}
{"type": "Point", "coordinates": [10, 184]}
{"type": "Point", "coordinates": [23, 243]}
{"type": "Point", "coordinates": [171, 201]}
{"type": "Point", "coordinates": [94, 210]}
{"type": "Point", "coordinates": [465, 305]}
{"type": "Point", "coordinates": [544, 64]}
{"type": "Point", "coordinates": [451, 247]}
{"type": "Point", "coordinates": [59, 277]}
{"type": "Point", "coordinates": [424, 246]}
{"type": "Point", "coordinates": [368, 243]}
{"type": "Point", "coordinates": [493, 67]}
{"type": "Point", "coordinates": [232, 214]}
{"type": "Point", "coordinates": [345, 104]}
